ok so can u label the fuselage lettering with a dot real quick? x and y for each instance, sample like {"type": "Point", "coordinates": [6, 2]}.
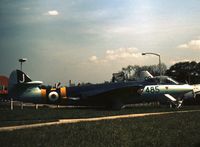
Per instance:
{"type": "Point", "coordinates": [152, 89]}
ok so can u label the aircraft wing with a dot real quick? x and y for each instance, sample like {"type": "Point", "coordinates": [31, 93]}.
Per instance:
{"type": "Point", "coordinates": [111, 90]}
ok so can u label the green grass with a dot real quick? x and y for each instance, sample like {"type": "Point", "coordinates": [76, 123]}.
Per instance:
{"type": "Point", "coordinates": [179, 129]}
{"type": "Point", "coordinates": [45, 113]}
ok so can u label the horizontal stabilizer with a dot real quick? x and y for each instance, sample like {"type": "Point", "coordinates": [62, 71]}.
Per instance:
{"type": "Point", "coordinates": [33, 83]}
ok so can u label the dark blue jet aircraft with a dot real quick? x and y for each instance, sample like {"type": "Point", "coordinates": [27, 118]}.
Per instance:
{"type": "Point", "coordinates": [111, 95]}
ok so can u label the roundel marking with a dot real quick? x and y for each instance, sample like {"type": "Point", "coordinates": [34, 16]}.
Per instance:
{"type": "Point", "coordinates": [53, 96]}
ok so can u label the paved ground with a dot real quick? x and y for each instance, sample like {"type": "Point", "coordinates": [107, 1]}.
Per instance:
{"type": "Point", "coordinates": [67, 121]}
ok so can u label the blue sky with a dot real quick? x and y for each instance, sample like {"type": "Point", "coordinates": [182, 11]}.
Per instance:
{"type": "Point", "coordinates": [88, 40]}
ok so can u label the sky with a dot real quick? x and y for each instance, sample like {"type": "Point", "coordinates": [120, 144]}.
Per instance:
{"type": "Point", "coordinates": [88, 40]}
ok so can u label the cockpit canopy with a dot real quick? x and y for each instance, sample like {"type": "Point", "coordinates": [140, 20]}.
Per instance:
{"type": "Point", "coordinates": [162, 80]}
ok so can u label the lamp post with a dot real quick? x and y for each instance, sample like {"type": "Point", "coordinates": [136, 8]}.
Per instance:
{"type": "Point", "coordinates": [21, 61]}
{"type": "Point", "coordinates": [158, 57]}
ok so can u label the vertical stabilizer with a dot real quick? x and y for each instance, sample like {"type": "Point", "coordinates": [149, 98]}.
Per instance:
{"type": "Point", "coordinates": [17, 77]}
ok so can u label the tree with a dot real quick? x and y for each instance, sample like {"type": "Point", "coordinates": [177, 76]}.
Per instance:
{"type": "Point", "coordinates": [132, 72]}
{"type": "Point", "coordinates": [185, 72]}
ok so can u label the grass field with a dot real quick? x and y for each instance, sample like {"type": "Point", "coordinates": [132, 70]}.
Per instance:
{"type": "Point", "coordinates": [179, 129]}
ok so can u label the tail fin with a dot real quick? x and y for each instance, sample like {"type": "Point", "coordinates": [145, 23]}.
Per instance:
{"type": "Point", "coordinates": [18, 77]}
{"type": "Point", "coordinates": [145, 75]}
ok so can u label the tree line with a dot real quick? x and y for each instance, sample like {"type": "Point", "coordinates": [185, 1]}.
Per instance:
{"type": "Point", "coordinates": [184, 72]}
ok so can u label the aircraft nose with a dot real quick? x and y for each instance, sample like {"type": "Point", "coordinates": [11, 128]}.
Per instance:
{"type": "Point", "coordinates": [196, 89]}
{"type": "Point", "coordinates": [192, 94]}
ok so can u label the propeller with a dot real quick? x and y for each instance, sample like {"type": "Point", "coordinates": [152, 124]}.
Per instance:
{"type": "Point", "coordinates": [57, 85]}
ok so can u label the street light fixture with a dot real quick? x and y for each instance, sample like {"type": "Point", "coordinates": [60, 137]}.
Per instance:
{"type": "Point", "coordinates": [155, 55]}
{"type": "Point", "coordinates": [21, 61]}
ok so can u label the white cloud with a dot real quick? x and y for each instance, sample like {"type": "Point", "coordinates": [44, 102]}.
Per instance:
{"type": "Point", "coordinates": [193, 44]}
{"type": "Point", "coordinates": [53, 13]}
{"type": "Point", "coordinates": [117, 29]}
{"type": "Point", "coordinates": [121, 53]}
{"type": "Point", "coordinates": [118, 54]}
{"type": "Point", "coordinates": [93, 58]}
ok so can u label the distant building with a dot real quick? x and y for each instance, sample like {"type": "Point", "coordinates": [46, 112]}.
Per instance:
{"type": "Point", "coordinates": [3, 85]}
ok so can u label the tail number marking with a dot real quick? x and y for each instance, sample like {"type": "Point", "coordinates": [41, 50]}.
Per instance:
{"type": "Point", "coordinates": [152, 89]}
{"type": "Point", "coordinates": [23, 79]}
